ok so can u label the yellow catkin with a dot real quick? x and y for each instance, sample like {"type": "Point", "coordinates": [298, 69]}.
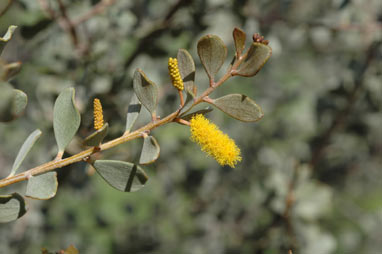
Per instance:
{"type": "Point", "coordinates": [214, 142]}
{"type": "Point", "coordinates": [173, 69]}
{"type": "Point", "coordinates": [98, 115]}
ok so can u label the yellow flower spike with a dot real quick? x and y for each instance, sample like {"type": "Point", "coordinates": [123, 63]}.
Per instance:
{"type": "Point", "coordinates": [214, 142]}
{"type": "Point", "coordinates": [98, 115]}
{"type": "Point", "coordinates": [173, 69]}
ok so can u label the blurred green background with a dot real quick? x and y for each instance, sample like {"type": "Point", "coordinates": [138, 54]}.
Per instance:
{"type": "Point", "coordinates": [311, 175]}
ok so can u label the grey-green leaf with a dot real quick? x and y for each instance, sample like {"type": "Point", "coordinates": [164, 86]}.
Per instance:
{"type": "Point", "coordinates": [146, 91]}
{"type": "Point", "coordinates": [6, 100]}
{"type": "Point", "coordinates": [239, 39]}
{"type": "Point", "coordinates": [12, 207]}
{"type": "Point", "coordinates": [188, 102]}
{"type": "Point", "coordinates": [187, 69]}
{"type": "Point", "coordinates": [239, 107]}
{"type": "Point", "coordinates": [133, 112]}
{"type": "Point", "coordinates": [19, 102]}
{"type": "Point", "coordinates": [12, 102]}
{"type": "Point", "coordinates": [96, 138]}
{"type": "Point", "coordinates": [42, 186]}
{"type": "Point", "coordinates": [123, 176]}
{"type": "Point", "coordinates": [212, 53]}
{"type": "Point", "coordinates": [7, 37]}
{"type": "Point", "coordinates": [150, 150]}
{"type": "Point", "coordinates": [66, 118]}
{"type": "Point", "coordinates": [257, 56]}
{"type": "Point", "coordinates": [24, 150]}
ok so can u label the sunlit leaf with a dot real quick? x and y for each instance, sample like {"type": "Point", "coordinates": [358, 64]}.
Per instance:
{"type": "Point", "coordinates": [12, 207]}
{"type": "Point", "coordinates": [146, 91]}
{"type": "Point", "coordinates": [7, 37]}
{"type": "Point", "coordinates": [123, 176]}
{"type": "Point", "coordinates": [212, 53]}
{"type": "Point", "coordinates": [66, 118]}
{"type": "Point", "coordinates": [133, 112]}
{"type": "Point", "coordinates": [97, 137]}
{"type": "Point", "coordinates": [42, 186]}
{"type": "Point", "coordinates": [150, 150]}
{"type": "Point", "coordinates": [239, 107]}
{"type": "Point", "coordinates": [24, 150]}
{"type": "Point", "coordinates": [239, 39]}
{"type": "Point", "coordinates": [257, 56]}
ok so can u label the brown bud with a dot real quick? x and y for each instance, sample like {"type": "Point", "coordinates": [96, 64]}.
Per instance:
{"type": "Point", "coordinates": [260, 39]}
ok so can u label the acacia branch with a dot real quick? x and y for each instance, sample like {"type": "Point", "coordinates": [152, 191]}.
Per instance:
{"type": "Point", "coordinates": [341, 116]}
{"type": "Point", "coordinates": [62, 19]}
{"type": "Point", "coordinates": [45, 6]}
{"type": "Point", "coordinates": [69, 27]}
{"type": "Point", "coordinates": [97, 9]}
{"type": "Point", "coordinates": [289, 202]}
{"type": "Point", "coordinates": [84, 155]}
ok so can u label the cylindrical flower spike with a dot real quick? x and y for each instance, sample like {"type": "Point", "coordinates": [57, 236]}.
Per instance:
{"type": "Point", "coordinates": [98, 115]}
{"type": "Point", "coordinates": [173, 69]}
{"type": "Point", "coordinates": [214, 142]}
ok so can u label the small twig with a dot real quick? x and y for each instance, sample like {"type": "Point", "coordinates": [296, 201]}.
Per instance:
{"type": "Point", "coordinates": [195, 90]}
{"type": "Point", "coordinates": [68, 24]}
{"type": "Point", "coordinates": [97, 9]}
{"type": "Point", "coordinates": [6, 8]}
{"type": "Point", "coordinates": [59, 156]}
{"type": "Point", "coordinates": [208, 100]}
{"type": "Point", "coordinates": [45, 6]}
{"type": "Point", "coordinates": [154, 117]}
{"type": "Point", "coordinates": [289, 202]}
{"type": "Point", "coordinates": [63, 21]}
{"type": "Point", "coordinates": [182, 121]}
{"type": "Point", "coordinates": [181, 98]}
{"type": "Point", "coordinates": [341, 116]}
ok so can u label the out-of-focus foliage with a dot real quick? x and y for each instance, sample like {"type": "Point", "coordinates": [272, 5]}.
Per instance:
{"type": "Point", "coordinates": [310, 178]}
